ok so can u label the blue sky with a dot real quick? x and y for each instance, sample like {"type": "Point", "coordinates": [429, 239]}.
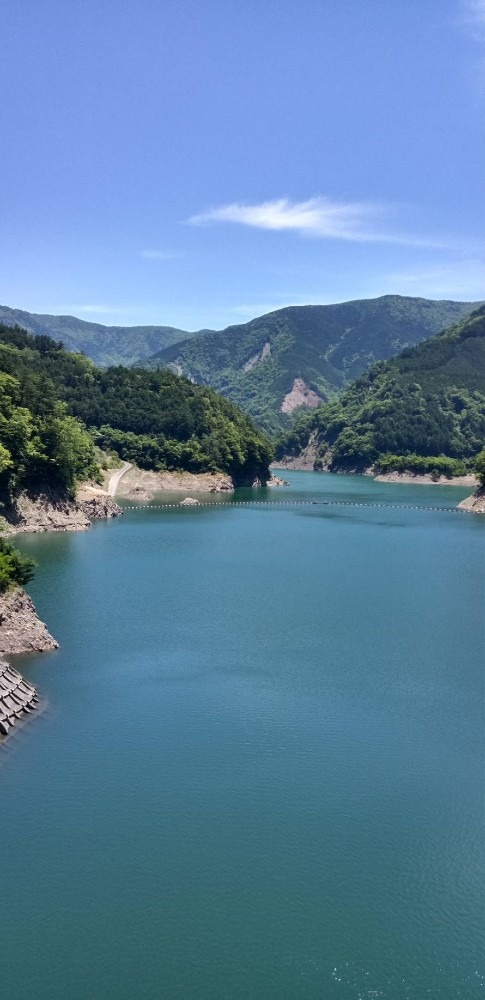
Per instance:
{"type": "Point", "coordinates": [199, 163]}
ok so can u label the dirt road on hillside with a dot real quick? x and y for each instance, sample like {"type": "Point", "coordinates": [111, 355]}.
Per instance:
{"type": "Point", "coordinates": [115, 478]}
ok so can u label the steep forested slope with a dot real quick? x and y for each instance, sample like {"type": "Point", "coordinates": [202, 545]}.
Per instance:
{"type": "Point", "coordinates": [424, 409]}
{"type": "Point", "coordinates": [323, 348]}
{"type": "Point", "coordinates": [50, 399]}
{"type": "Point", "coordinates": [105, 345]}
{"type": "Point", "coordinates": [256, 364]}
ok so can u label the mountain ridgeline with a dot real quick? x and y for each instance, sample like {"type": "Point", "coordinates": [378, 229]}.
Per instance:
{"type": "Point", "coordinates": [55, 406]}
{"type": "Point", "coordinates": [424, 410]}
{"type": "Point", "coordinates": [271, 366]}
{"type": "Point", "coordinates": [105, 345]}
{"type": "Point", "coordinates": [303, 355]}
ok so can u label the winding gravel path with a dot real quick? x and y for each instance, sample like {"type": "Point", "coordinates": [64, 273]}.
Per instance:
{"type": "Point", "coordinates": [116, 477]}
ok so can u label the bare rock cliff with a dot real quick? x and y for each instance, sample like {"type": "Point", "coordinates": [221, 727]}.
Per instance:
{"type": "Point", "coordinates": [475, 503]}
{"type": "Point", "coordinates": [48, 512]}
{"type": "Point", "coordinates": [21, 630]}
{"type": "Point", "coordinates": [98, 507]}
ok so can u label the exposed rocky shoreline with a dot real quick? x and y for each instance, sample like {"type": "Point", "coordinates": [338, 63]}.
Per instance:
{"type": "Point", "coordinates": [48, 512]}
{"type": "Point", "coordinates": [425, 477]}
{"type": "Point", "coordinates": [475, 503]}
{"type": "Point", "coordinates": [139, 481]}
{"type": "Point", "coordinates": [304, 463]}
{"type": "Point", "coordinates": [99, 506]}
{"type": "Point", "coordinates": [142, 484]}
{"type": "Point", "coordinates": [21, 630]}
{"type": "Point", "coordinates": [276, 481]}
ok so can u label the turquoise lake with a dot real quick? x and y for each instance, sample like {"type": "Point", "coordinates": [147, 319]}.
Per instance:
{"type": "Point", "coordinates": [260, 772]}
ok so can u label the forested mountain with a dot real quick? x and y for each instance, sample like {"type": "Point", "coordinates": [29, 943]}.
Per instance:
{"type": "Point", "coordinates": [302, 355]}
{"type": "Point", "coordinates": [290, 358]}
{"type": "Point", "coordinates": [423, 410]}
{"type": "Point", "coordinates": [105, 345]}
{"type": "Point", "coordinates": [55, 405]}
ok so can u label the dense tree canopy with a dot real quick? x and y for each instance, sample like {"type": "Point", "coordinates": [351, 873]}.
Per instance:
{"type": "Point", "coordinates": [255, 364]}
{"type": "Point", "coordinates": [54, 405]}
{"type": "Point", "coordinates": [480, 467]}
{"type": "Point", "coordinates": [15, 569]}
{"type": "Point", "coordinates": [424, 407]}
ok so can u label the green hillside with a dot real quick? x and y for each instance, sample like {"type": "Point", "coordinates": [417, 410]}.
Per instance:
{"type": "Point", "coordinates": [105, 345]}
{"type": "Point", "coordinates": [325, 347]}
{"type": "Point", "coordinates": [423, 410]}
{"type": "Point", "coordinates": [56, 405]}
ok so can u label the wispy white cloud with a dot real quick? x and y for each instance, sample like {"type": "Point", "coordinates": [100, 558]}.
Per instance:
{"type": "Point", "coordinates": [159, 254]}
{"type": "Point", "coordinates": [321, 217]}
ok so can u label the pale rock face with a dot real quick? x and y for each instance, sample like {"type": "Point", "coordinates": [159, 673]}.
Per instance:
{"type": "Point", "coordinates": [277, 481]}
{"type": "Point", "coordinates": [305, 460]}
{"type": "Point", "coordinates": [300, 395]}
{"type": "Point", "coordinates": [257, 358]}
{"type": "Point", "coordinates": [152, 482]}
{"type": "Point", "coordinates": [21, 630]}
{"type": "Point", "coordinates": [100, 507]}
{"type": "Point", "coordinates": [475, 503]}
{"type": "Point", "coordinates": [47, 513]}
{"type": "Point", "coordinates": [175, 367]}
{"type": "Point", "coordinates": [189, 502]}
{"type": "Point", "coordinates": [50, 513]}
{"type": "Point", "coordinates": [138, 493]}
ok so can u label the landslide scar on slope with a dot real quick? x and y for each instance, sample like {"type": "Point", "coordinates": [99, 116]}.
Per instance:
{"type": "Point", "coordinates": [256, 359]}
{"type": "Point", "coordinates": [300, 395]}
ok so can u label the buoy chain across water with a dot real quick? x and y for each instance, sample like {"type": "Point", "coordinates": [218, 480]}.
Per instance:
{"type": "Point", "coordinates": [293, 503]}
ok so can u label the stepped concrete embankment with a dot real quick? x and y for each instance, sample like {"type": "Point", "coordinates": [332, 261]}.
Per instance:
{"type": "Point", "coordinates": [18, 699]}
{"type": "Point", "coordinates": [21, 631]}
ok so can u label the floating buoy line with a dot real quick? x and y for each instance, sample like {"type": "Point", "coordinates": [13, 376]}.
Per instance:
{"type": "Point", "coordinates": [293, 503]}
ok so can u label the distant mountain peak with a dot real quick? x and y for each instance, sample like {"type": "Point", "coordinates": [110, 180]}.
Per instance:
{"type": "Point", "coordinates": [105, 345]}
{"type": "Point", "coordinates": [299, 356]}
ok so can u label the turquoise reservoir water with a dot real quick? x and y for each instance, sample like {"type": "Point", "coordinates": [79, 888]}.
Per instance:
{"type": "Point", "coordinates": [260, 773]}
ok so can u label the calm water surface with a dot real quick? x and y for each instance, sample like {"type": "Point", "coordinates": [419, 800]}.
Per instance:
{"type": "Point", "coordinates": [260, 773]}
